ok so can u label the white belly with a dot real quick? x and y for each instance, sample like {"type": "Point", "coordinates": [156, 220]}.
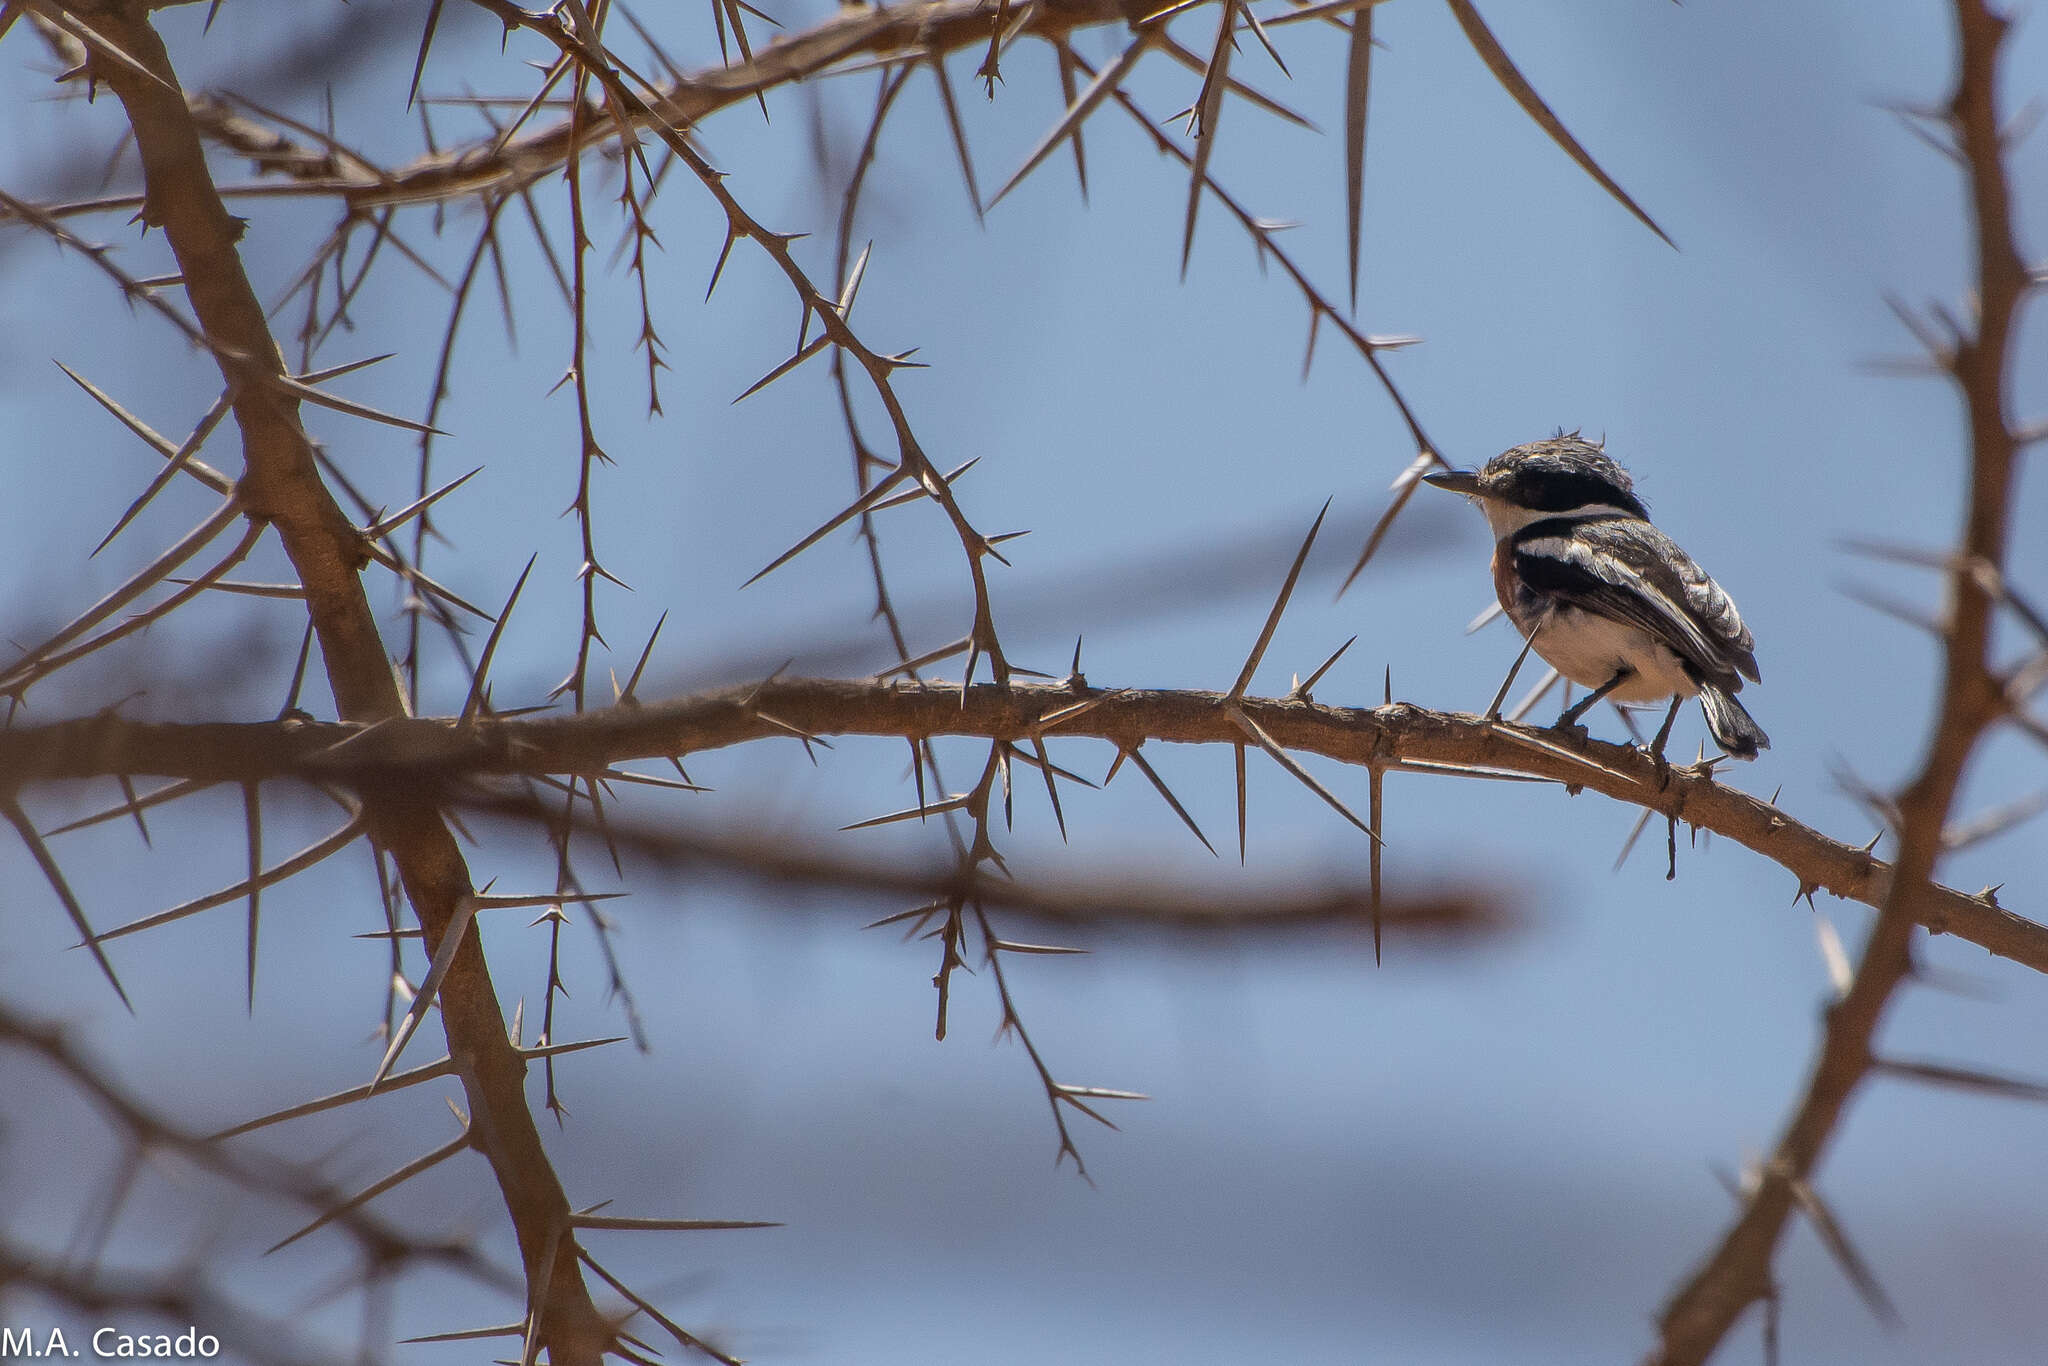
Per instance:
{"type": "Point", "coordinates": [1591, 649]}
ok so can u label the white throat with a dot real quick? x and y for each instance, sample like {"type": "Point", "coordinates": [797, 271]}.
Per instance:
{"type": "Point", "coordinates": [1506, 519]}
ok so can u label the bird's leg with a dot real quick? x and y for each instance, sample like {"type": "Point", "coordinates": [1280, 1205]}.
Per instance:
{"type": "Point", "coordinates": [1570, 719]}
{"type": "Point", "coordinates": [1493, 712]}
{"type": "Point", "coordinates": [1664, 731]}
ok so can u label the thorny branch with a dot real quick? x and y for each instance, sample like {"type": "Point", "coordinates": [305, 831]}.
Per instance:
{"type": "Point", "coordinates": [417, 777]}
{"type": "Point", "coordinates": [281, 484]}
{"type": "Point", "coordinates": [1737, 1273]}
{"type": "Point", "coordinates": [505, 163]}
{"type": "Point", "coordinates": [1396, 736]}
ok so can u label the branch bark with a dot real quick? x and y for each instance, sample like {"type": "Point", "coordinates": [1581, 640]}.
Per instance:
{"type": "Point", "coordinates": [281, 485]}
{"type": "Point", "coordinates": [1738, 1273]}
{"type": "Point", "coordinates": [419, 753]}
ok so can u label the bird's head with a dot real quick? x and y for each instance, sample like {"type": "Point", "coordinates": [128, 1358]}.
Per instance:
{"type": "Point", "coordinates": [1561, 477]}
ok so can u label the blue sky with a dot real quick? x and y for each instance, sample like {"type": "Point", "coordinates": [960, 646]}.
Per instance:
{"type": "Point", "coordinates": [1490, 1155]}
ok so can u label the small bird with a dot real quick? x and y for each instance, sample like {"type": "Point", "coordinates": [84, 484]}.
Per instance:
{"type": "Point", "coordinates": [1610, 601]}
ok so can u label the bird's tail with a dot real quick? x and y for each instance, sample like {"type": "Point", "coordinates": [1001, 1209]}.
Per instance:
{"type": "Point", "coordinates": [1734, 729]}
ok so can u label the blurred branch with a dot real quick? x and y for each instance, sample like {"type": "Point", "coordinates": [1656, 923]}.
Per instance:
{"type": "Point", "coordinates": [179, 1294]}
{"type": "Point", "coordinates": [1738, 1272]}
{"type": "Point", "coordinates": [1138, 899]}
{"type": "Point", "coordinates": [503, 162]}
{"type": "Point", "coordinates": [1392, 737]}
{"type": "Point", "coordinates": [910, 32]}
{"type": "Point", "coordinates": [179, 1298]}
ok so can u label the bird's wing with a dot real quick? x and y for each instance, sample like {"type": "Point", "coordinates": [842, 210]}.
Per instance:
{"type": "Point", "coordinates": [1630, 571]}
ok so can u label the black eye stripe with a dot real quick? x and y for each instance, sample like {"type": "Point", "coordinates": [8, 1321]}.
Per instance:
{"type": "Point", "coordinates": [1563, 490]}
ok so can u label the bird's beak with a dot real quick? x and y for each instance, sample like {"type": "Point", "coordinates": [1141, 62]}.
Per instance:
{"type": "Point", "coordinates": [1454, 481]}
